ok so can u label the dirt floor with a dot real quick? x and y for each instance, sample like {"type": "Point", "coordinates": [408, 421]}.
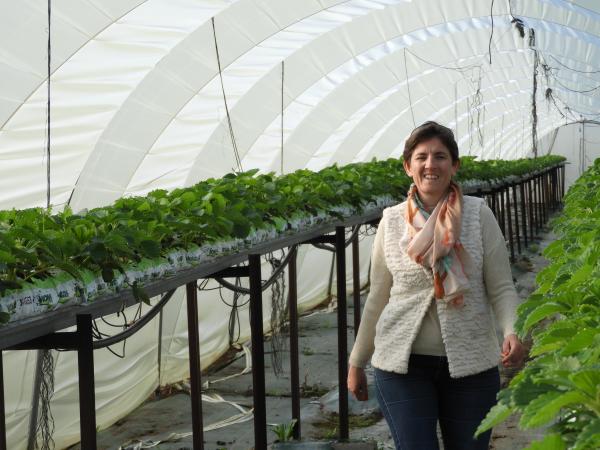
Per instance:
{"type": "Point", "coordinates": [164, 422]}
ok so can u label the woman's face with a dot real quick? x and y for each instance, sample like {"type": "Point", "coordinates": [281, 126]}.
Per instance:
{"type": "Point", "coordinates": [431, 168]}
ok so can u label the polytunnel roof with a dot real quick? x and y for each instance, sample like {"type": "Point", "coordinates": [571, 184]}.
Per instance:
{"type": "Point", "coordinates": [137, 100]}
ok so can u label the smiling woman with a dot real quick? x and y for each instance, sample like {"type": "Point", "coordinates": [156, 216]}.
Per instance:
{"type": "Point", "coordinates": [439, 267]}
{"type": "Point", "coordinates": [431, 160]}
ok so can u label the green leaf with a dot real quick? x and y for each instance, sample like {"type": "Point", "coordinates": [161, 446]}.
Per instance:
{"type": "Point", "coordinates": [541, 312]}
{"type": "Point", "coordinates": [144, 206]}
{"type": "Point", "coordinates": [6, 285]}
{"type": "Point", "coordinates": [98, 252]}
{"type": "Point", "coordinates": [280, 223]}
{"type": "Point", "coordinates": [546, 407]}
{"type": "Point", "coordinates": [589, 438]}
{"type": "Point", "coordinates": [580, 341]}
{"type": "Point", "coordinates": [4, 317]}
{"type": "Point", "coordinates": [587, 380]}
{"type": "Point", "coordinates": [6, 257]}
{"type": "Point", "coordinates": [107, 274]}
{"type": "Point", "coordinates": [497, 414]}
{"type": "Point", "coordinates": [140, 294]}
{"type": "Point", "coordinates": [149, 248]}
{"type": "Point", "coordinates": [550, 442]}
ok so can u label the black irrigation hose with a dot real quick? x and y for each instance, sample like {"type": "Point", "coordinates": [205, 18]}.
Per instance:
{"type": "Point", "coordinates": [269, 282]}
{"type": "Point", "coordinates": [331, 248]}
{"type": "Point", "coordinates": [101, 343]}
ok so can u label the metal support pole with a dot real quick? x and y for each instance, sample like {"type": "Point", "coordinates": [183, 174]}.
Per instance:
{"type": "Point", "coordinates": [509, 222]}
{"type": "Point", "coordinates": [340, 252]}
{"type": "Point", "coordinates": [87, 400]}
{"type": "Point", "coordinates": [549, 196]}
{"type": "Point", "coordinates": [2, 413]}
{"type": "Point", "coordinates": [294, 355]}
{"type": "Point", "coordinates": [258, 354]}
{"type": "Point", "coordinates": [541, 199]}
{"type": "Point", "coordinates": [554, 181]}
{"type": "Point", "coordinates": [523, 212]}
{"type": "Point", "coordinates": [562, 183]}
{"type": "Point", "coordinates": [494, 209]}
{"type": "Point", "coordinates": [356, 283]}
{"type": "Point", "coordinates": [530, 208]}
{"type": "Point", "coordinates": [501, 211]}
{"type": "Point", "coordinates": [544, 192]}
{"type": "Point", "coordinates": [35, 401]}
{"type": "Point", "coordinates": [194, 352]}
{"type": "Point", "coordinates": [516, 208]}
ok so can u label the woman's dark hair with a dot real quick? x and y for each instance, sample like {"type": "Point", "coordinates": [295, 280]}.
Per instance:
{"type": "Point", "coordinates": [430, 130]}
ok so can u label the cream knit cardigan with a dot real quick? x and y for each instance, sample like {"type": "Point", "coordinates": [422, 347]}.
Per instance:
{"type": "Point", "coordinates": [402, 291]}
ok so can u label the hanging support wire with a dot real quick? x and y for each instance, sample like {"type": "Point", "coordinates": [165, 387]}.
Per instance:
{"type": "Point", "coordinates": [492, 32]}
{"type": "Point", "coordinates": [534, 118]}
{"type": "Point", "coordinates": [49, 61]}
{"type": "Point", "coordinates": [41, 423]}
{"type": "Point", "coordinates": [408, 89]}
{"type": "Point", "coordinates": [282, 105]}
{"type": "Point", "coordinates": [229, 124]}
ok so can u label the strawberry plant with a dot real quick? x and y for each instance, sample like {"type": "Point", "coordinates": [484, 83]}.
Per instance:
{"type": "Point", "coordinates": [560, 386]}
{"type": "Point", "coordinates": [107, 246]}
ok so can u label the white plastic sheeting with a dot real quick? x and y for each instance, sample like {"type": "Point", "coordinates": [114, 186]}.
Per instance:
{"type": "Point", "coordinates": [137, 105]}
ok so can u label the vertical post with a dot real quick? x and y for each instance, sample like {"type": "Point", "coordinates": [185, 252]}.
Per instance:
{"type": "Point", "coordinates": [541, 200]}
{"type": "Point", "coordinates": [530, 208]}
{"type": "Point", "coordinates": [258, 353]}
{"type": "Point", "coordinates": [509, 223]}
{"type": "Point", "coordinates": [562, 182]}
{"type": "Point", "coordinates": [35, 401]}
{"type": "Point", "coordinates": [549, 194]}
{"type": "Point", "coordinates": [356, 283]}
{"type": "Point", "coordinates": [340, 252]}
{"type": "Point", "coordinates": [516, 208]}
{"type": "Point", "coordinates": [501, 211]}
{"type": "Point", "coordinates": [544, 182]}
{"type": "Point", "coordinates": [87, 400]}
{"type": "Point", "coordinates": [523, 212]}
{"type": "Point", "coordinates": [194, 352]}
{"type": "Point", "coordinates": [294, 355]}
{"type": "Point", "coordinates": [494, 209]}
{"type": "Point", "coordinates": [533, 209]}
{"type": "Point", "coordinates": [554, 181]}
{"type": "Point", "coordinates": [2, 413]}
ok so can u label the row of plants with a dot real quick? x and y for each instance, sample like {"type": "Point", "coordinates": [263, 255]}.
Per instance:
{"type": "Point", "coordinates": [497, 170]}
{"type": "Point", "coordinates": [559, 388]}
{"type": "Point", "coordinates": [51, 259]}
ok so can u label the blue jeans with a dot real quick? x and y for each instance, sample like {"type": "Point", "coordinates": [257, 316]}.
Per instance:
{"type": "Point", "coordinates": [412, 404]}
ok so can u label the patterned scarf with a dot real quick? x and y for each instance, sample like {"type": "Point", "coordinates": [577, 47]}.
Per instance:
{"type": "Point", "coordinates": [435, 243]}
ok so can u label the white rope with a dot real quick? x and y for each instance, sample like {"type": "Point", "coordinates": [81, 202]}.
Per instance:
{"type": "Point", "coordinates": [247, 369]}
{"type": "Point", "coordinates": [244, 416]}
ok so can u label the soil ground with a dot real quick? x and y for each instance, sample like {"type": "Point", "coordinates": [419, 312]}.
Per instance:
{"type": "Point", "coordinates": [164, 422]}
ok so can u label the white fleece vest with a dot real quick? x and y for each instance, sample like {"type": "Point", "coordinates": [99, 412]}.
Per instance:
{"type": "Point", "coordinates": [468, 333]}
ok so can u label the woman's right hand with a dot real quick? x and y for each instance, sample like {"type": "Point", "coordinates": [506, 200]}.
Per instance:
{"type": "Point", "coordinates": [357, 383]}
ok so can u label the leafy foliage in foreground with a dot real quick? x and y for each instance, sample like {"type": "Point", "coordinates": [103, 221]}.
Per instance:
{"type": "Point", "coordinates": [37, 245]}
{"type": "Point", "coordinates": [560, 387]}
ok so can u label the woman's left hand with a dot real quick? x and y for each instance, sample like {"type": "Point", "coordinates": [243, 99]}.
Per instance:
{"type": "Point", "coordinates": [513, 351]}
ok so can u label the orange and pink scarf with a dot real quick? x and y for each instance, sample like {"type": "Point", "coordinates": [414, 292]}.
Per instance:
{"type": "Point", "coordinates": [435, 243]}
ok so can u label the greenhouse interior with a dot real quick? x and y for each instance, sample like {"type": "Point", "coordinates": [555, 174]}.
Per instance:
{"type": "Point", "coordinates": [191, 190]}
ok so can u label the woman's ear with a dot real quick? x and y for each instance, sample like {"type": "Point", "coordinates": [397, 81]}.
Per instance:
{"type": "Point", "coordinates": [407, 168]}
{"type": "Point", "coordinates": [455, 167]}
